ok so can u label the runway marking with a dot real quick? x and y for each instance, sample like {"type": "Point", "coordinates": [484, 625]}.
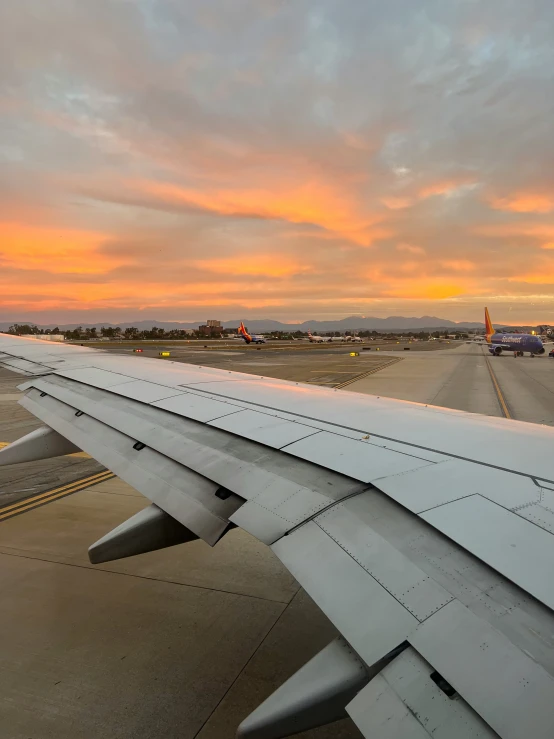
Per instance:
{"type": "Point", "coordinates": [502, 402]}
{"type": "Point", "coordinates": [393, 360]}
{"type": "Point", "coordinates": [38, 500]}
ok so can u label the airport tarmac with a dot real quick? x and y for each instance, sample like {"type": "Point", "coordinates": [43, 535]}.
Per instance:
{"type": "Point", "coordinates": [187, 641]}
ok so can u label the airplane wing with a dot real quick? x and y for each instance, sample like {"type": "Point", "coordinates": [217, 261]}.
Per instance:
{"type": "Point", "coordinates": [426, 535]}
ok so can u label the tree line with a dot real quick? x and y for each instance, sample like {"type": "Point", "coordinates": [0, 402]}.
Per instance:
{"type": "Point", "coordinates": [92, 333]}
{"type": "Point", "coordinates": [134, 334]}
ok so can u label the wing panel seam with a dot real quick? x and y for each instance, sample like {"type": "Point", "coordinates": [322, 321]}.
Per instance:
{"type": "Point", "coordinates": [450, 455]}
{"type": "Point", "coordinates": [396, 596]}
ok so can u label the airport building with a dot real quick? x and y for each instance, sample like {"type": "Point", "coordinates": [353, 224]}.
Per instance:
{"type": "Point", "coordinates": [211, 328]}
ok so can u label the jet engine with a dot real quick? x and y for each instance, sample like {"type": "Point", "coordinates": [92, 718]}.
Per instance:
{"type": "Point", "coordinates": [497, 351]}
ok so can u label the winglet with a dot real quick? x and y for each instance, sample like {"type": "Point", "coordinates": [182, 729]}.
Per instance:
{"type": "Point", "coordinates": [489, 330]}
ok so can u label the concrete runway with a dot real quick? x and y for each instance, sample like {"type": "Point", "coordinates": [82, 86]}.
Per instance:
{"type": "Point", "coordinates": [461, 379]}
{"type": "Point", "coordinates": [185, 642]}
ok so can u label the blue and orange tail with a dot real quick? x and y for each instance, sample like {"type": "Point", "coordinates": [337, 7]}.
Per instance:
{"type": "Point", "coordinates": [489, 330]}
{"type": "Point", "coordinates": [244, 333]}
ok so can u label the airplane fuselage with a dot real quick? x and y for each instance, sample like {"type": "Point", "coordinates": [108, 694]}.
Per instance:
{"type": "Point", "coordinates": [515, 343]}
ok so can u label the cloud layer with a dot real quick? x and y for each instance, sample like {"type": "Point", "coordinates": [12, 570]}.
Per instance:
{"type": "Point", "coordinates": [268, 158]}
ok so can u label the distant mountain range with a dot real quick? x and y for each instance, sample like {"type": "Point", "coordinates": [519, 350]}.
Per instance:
{"type": "Point", "coordinates": [352, 323]}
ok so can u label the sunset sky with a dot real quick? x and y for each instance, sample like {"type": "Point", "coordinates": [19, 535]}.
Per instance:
{"type": "Point", "coordinates": [276, 159]}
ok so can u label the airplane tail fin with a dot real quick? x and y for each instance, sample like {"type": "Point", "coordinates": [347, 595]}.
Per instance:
{"type": "Point", "coordinates": [489, 330]}
{"type": "Point", "coordinates": [244, 333]}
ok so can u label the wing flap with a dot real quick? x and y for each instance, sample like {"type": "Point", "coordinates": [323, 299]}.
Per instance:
{"type": "Point", "coordinates": [368, 616]}
{"type": "Point", "coordinates": [379, 712]}
{"type": "Point", "coordinates": [283, 495]}
{"type": "Point", "coordinates": [508, 689]}
{"type": "Point", "coordinates": [414, 589]}
{"type": "Point", "coordinates": [24, 366]}
{"type": "Point", "coordinates": [180, 492]}
{"type": "Point", "coordinates": [520, 550]}
{"type": "Point", "coordinates": [403, 702]}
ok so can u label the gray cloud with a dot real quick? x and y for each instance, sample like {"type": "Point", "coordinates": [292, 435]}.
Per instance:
{"type": "Point", "coordinates": [322, 136]}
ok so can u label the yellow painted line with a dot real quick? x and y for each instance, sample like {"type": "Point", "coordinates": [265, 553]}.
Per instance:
{"type": "Point", "coordinates": [98, 477]}
{"type": "Point", "coordinates": [503, 404]}
{"type": "Point", "coordinates": [3, 444]}
{"type": "Point", "coordinates": [37, 500]}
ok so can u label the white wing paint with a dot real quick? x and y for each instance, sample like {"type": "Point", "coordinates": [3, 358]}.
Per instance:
{"type": "Point", "coordinates": [424, 534]}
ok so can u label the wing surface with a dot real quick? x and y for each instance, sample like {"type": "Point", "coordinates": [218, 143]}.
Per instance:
{"type": "Point", "coordinates": [424, 534]}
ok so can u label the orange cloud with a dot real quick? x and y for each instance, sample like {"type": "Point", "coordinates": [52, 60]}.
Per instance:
{"type": "Point", "coordinates": [313, 202]}
{"type": "Point", "coordinates": [268, 265]}
{"type": "Point", "coordinates": [543, 278]}
{"type": "Point", "coordinates": [445, 187]}
{"type": "Point", "coordinates": [54, 250]}
{"type": "Point", "coordinates": [397, 203]}
{"type": "Point", "coordinates": [407, 197]}
{"type": "Point", "coordinates": [426, 290]}
{"type": "Point", "coordinates": [517, 228]}
{"type": "Point", "coordinates": [410, 248]}
{"type": "Point", "coordinates": [524, 203]}
{"type": "Point", "coordinates": [459, 265]}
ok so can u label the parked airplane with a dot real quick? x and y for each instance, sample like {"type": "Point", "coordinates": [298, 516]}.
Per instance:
{"type": "Point", "coordinates": [315, 339]}
{"type": "Point", "coordinates": [335, 338]}
{"type": "Point", "coordinates": [518, 343]}
{"type": "Point", "coordinates": [356, 339]}
{"type": "Point", "coordinates": [250, 338]}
